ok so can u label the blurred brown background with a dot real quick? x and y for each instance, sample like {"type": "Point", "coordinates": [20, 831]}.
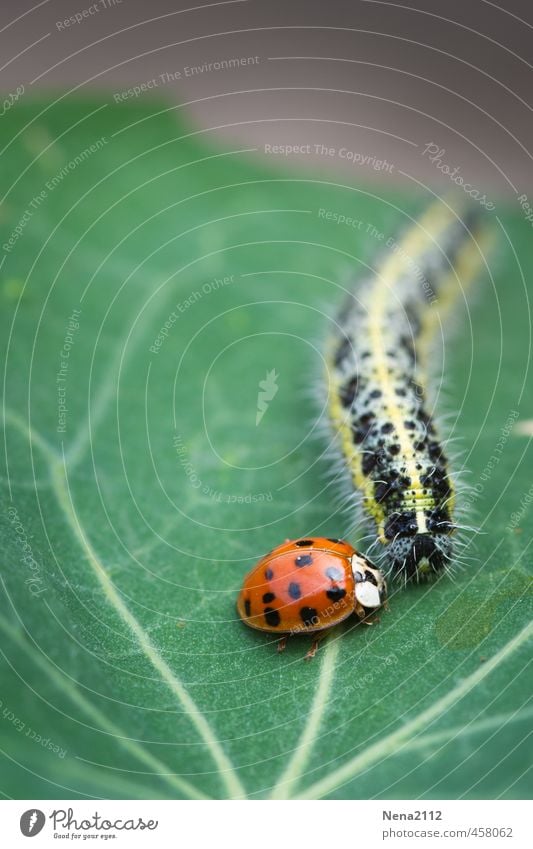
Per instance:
{"type": "Point", "coordinates": [375, 78]}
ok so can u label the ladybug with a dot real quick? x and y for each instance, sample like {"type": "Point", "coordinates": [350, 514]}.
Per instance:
{"type": "Point", "coordinates": [306, 586]}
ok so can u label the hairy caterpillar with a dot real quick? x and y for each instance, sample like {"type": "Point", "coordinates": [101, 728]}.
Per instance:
{"type": "Point", "coordinates": [377, 388]}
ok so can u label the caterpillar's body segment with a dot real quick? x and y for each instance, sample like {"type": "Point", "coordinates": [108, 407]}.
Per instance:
{"type": "Point", "coordinates": [377, 393]}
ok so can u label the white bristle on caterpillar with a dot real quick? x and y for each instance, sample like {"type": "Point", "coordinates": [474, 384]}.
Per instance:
{"type": "Point", "coordinates": [377, 388]}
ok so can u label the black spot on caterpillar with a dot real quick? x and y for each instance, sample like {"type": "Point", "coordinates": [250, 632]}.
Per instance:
{"type": "Point", "coordinates": [377, 388]}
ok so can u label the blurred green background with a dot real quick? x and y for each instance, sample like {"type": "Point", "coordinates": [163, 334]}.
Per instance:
{"type": "Point", "coordinates": [130, 518]}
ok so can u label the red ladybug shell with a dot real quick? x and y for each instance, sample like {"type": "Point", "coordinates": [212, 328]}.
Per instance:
{"type": "Point", "coordinates": [302, 586]}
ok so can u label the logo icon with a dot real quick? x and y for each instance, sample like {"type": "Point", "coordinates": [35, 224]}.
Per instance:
{"type": "Point", "coordinates": [32, 822]}
{"type": "Point", "coordinates": [268, 388]}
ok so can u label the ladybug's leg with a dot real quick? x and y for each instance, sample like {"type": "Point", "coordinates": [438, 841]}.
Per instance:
{"type": "Point", "coordinates": [371, 618]}
{"type": "Point", "coordinates": [312, 651]}
{"type": "Point", "coordinates": [371, 621]}
{"type": "Point", "coordinates": [364, 617]}
{"type": "Point", "coordinates": [314, 645]}
{"type": "Point", "coordinates": [282, 644]}
{"type": "Point", "coordinates": [359, 611]}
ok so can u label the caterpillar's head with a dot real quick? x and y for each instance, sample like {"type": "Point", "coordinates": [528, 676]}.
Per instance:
{"type": "Point", "coordinates": [419, 556]}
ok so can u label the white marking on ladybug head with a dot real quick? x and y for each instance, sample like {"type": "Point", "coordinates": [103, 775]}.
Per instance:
{"type": "Point", "coordinates": [359, 565]}
{"type": "Point", "coordinates": [370, 586]}
{"type": "Point", "coordinates": [367, 594]}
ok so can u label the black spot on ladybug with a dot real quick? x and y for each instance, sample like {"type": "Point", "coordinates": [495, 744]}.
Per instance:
{"type": "Point", "coordinates": [272, 617]}
{"type": "Point", "coordinates": [301, 543]}
{"type": "Point", "coordinates": [309, 616]}
{"type": "Point", "coordinates": [336, 593]}
{"type": "Point", "coordinates": [331, 539]}
{"type": "Point", "coordinates": [268, 597]}
{"type": "Point", "coordinates": [295, 591]}
{"type": "Point", "coordinates": [303, 560]}
{"type": "Point", "coordinates": [269, 574]}
{"type": "Point", "coordinates": [247, 607]}
{"type": "Point", "coordinates": [334, 574]}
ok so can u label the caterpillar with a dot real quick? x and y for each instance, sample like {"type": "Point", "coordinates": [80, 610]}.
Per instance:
{"type": "Point", "coordinates": [377, 393]}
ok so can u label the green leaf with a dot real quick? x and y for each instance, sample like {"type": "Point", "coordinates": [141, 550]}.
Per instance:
{"type": "Point", "coordinates": [152, 284]}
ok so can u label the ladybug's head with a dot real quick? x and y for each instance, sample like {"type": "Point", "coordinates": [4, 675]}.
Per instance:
{"type": "Point", "coordinates": [370, 585]}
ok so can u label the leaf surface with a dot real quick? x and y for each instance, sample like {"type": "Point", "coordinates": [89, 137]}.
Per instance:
{"type": "Point", "coordinates": [196, 279]}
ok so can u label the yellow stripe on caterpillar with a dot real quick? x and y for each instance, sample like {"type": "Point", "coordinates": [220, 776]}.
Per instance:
{"type": "Point", "coordinates": [377, 388]}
